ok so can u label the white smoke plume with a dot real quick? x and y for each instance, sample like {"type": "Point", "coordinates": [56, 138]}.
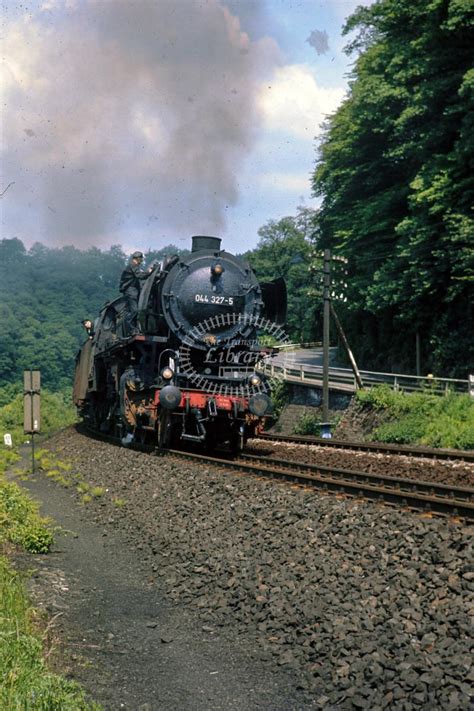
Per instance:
{"type": "Point", "coordinates": [126, 115]}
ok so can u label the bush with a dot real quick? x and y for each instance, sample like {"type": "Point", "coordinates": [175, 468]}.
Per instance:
{"type": "Point", "coordinates": [421, 418]}
{"type": "Point", "coordinates": [20, 520]}
{"type": "Point", "coordinates": [57, 411]}
{"type": "Point", "coordinates": [308, 425]}
{"type": "Point", "coordinates": [9, 392]}
{"type": "Point", "coordinates": [280, 397]}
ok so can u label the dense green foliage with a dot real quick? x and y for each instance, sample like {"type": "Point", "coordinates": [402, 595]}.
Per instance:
{"type": "Point", "coordinates": [284, 251]}
{"type": "Point", "coordinates": [310, 423]}
{"type": "Point", "coordinates": [407, 418]}
{"type": "Point", "coordinates": [280, 397]}
{"type": "Point", "coordinates": [395, 171]}
{"type": "Point", "coordinates": [57, 411]}
{"type": "Point", "coordinates": [44, 295]}
{"type": "Point", "coordinates": [20, 521]}
{"type": "Point", "coordinates": [26, 682]}
{"type": "Point", "coordinates": [421, 418]}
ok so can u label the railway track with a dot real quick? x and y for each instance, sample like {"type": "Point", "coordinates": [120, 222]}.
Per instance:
{"type": "Point", "coordinates": [425, 497]}
{"type": "Point", "coordinates": [375, 447]}
{"type": "Point", "coordinates": [419, 496]}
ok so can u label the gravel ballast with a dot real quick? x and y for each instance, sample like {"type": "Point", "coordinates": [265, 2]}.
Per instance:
{"type": "Point", "coordinates": [369, 607]}
{"type": "Point", "coordinates": [454, 473]}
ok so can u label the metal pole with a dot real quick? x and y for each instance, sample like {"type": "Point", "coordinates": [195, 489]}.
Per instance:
{"type": "Point", "coordinates": [326, 320]}
{"type": "Point", "coordinates": [418, 353]}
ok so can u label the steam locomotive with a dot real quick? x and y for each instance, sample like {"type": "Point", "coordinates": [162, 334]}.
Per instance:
{"type": "Point", "coordinates": [193, 373]}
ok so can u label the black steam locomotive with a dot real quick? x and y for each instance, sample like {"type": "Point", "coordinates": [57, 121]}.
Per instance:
{"type": "Point", "coordinates": [192, 373]}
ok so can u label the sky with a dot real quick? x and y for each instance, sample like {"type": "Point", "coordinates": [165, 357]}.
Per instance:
{"type": "Point", "coordinates": [143, 122]}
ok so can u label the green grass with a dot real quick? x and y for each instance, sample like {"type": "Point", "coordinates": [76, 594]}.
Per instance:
{"type": "Point", "coordinates": [97, 491]}
{"type": "Point", "coordinates": [421, 418]}
{"type": "Point", "coordinates": [56, 412]}
{"type": "Point", "coordinates": [54, 468]}
{"type": "Point", "coordinates": [20, 521]}
{"type": "Point", "coordinates": [26, 682]}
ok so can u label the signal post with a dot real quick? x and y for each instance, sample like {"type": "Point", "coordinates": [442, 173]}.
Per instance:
{"type": "Point", "coordinates": [32, 408]}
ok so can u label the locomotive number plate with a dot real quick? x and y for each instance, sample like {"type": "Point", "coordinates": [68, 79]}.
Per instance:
{"type": "Point", "coordinates": [213, 299]}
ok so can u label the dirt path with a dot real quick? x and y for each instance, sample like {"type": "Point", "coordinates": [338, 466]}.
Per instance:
{"type": "Point", "coordinates": [355, 604]}
{"type": "Point", "coordinates": [121, 640]}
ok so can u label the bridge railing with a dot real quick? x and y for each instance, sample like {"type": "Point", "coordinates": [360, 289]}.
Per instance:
{"type": "Point", "coordinates": [343, 379]}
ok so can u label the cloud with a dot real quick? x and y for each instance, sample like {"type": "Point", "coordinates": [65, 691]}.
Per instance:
{"type": "Point", "coordinates": [295, 104]}
{"type": "Point", "coordinates": [120, 110]}
{"type": "Point", "coordinates": [287, 182]}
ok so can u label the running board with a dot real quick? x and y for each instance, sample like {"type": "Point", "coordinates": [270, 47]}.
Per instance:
{"type": "Point", "coordinates": [194, 438]}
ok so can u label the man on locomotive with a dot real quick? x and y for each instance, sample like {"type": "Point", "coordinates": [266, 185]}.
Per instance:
{"type": "Point", "coordinates": [130, 288]}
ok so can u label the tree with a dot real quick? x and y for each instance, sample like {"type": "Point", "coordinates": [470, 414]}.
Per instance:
{"type": "Point", "coordinates": [284, 250]}
{"type": "Point", "coordinates": [44, 295]}
{"type": "Point", "coordinates": [395, 172]}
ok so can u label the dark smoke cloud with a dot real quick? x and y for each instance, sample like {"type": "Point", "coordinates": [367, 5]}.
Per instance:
{"type": "Point", "coordinates": [128, 115]}
{"type": "Point", "coordinates": [319, 40]}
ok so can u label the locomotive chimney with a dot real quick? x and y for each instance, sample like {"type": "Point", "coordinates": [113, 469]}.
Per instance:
{"type": "Point", "coordinates": [203, 242]}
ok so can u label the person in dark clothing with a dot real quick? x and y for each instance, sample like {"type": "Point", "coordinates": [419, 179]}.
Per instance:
{"type": "Point", "coordinates": [89, 326]}
{"type": "Point", "coordinates": [130, 288]}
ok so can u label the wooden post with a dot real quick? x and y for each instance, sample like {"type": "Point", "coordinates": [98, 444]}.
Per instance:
{"type": "Point", "coordinates": [355, 369]}
{"type": "Point", "coordinates": [31, 408]}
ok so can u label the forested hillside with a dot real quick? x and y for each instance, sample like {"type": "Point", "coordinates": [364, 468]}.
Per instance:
{"type": "Point", "coordinates": [395, 171]}
{"type": "Point", "coordinates": [44, 295]}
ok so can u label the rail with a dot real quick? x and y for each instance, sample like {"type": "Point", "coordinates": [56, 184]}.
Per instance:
{"type": "Point", "coordinates": [343, 379]}
{"type": "Point", "coordinates": [373, 447]}
{"type": "Point", "coordinates": [429, 497]}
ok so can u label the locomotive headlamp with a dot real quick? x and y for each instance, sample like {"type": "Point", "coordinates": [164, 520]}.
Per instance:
{"type": "Point", "coordinates": [167, 373]}
{"type": "Point", "coordinates": [217, 269]}
{"type": "Point", "coordinates": [255, 380]}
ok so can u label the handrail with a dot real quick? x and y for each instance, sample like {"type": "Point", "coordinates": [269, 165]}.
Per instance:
{"type": "Point", "coordinates": [303, 373]}
{"type": "Point", "coordinates": [297, 346]}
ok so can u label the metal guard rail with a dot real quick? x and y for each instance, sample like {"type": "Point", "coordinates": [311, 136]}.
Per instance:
{"type": "Point", "coordinates": [344, 378]}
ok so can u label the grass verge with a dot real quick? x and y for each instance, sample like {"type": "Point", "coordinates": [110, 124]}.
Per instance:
{"type": "Point", "coordinates": [443, 421]}
{"type": "Point", "coordinates": [421, 418]}
{"type": "Point", "coordinates": [25, 681]}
